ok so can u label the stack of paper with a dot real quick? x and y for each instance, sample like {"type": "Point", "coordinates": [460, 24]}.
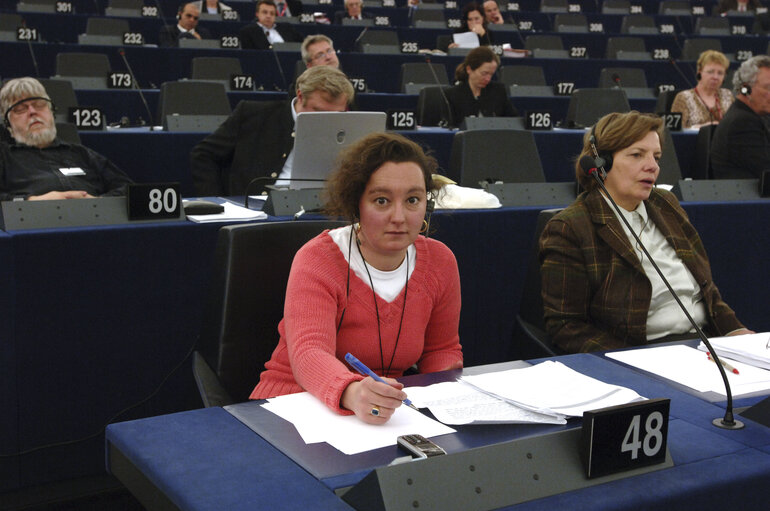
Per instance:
{"type": "Point", "coordinates": [545, 393]}
{"type": "Point", "coordinates": [552, 388]}
{"type": "Point", "coordinates": [692, 368]}
{"type": "Point", "coordinates": [315, 422]}
{"type": "Point", "coordinates": [454, 402]}
{"type": "Point", "coordinates": [752, 349]}
{"type": "Point", "coordinates": [231, 213]}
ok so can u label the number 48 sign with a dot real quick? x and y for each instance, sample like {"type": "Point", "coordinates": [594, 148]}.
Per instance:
{"type": "Point", "coordinates": [625, 437]}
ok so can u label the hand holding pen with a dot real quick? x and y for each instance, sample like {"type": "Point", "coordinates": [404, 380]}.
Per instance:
{"type": "Point", "coordinates": [370, 401]}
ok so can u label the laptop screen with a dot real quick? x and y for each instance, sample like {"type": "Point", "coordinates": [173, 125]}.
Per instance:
{"type": "Point", "coordinates": [319, 137]}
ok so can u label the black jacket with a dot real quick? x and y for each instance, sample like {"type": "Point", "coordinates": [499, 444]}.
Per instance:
{"type": "Point", "coordinates": [253, 142]}
{"type": "Point", "coordinates": [27, 170]}
{"type": "Point", "coordinates": [740, 148]}
{"type": "Point", "coordinates": [253, 36]}
{"type": "Point", "coordinates": [492, 102]}
{"type": "Point", "coordinates": [169, 35]}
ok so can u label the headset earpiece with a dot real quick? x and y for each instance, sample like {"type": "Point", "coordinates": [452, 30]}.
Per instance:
{"type": "Point", "coordinates": [745, 89]}
{"type": "Point", "coordinates": [698, 76]}
{"type": "Point", "coordinates": [602, 160]}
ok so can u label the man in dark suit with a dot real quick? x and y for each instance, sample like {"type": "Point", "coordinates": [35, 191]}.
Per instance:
{"type": "Point", "coordinates": [352, 11]}
{"type": "Point", "coordinates": [257, 140]}
{"type": "Point", "coordinates": [740, 148]}
{"type": "Point", "coordinates": [262, 34]}
{"type": "Point", "coordinates": [187, 28]}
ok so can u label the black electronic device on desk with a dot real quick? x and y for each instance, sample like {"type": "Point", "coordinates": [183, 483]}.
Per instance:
{"type": "Point", "coordinates": [202, 207]}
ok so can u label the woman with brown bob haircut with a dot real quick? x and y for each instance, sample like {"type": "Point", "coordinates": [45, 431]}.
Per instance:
{"type": "Point", "coordinates": [376, 289]}
{"type": "Point", "coordinates": [600, 291]}
{"type": "Point", "coordinates": [475, 94]}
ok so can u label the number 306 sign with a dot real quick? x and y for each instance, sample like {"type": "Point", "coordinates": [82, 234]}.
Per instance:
{"type": "Point", "coordinates": [625, 437]}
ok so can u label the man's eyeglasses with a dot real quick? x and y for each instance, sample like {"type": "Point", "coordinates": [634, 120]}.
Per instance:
{"type": "Point", "coordinates": [23, 105]}
{"type": "Point", "coordinates": [323, 54]}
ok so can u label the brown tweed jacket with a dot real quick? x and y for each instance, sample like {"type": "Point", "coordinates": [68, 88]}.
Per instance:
{"type": "Point", "coordinates": [595, 292]}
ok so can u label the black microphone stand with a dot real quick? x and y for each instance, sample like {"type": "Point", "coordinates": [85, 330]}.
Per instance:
{"type": "Point", "coordinates": [728, 421]}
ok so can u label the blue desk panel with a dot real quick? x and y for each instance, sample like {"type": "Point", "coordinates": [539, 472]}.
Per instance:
{"type": "Point", "coordinates": [712, 467]}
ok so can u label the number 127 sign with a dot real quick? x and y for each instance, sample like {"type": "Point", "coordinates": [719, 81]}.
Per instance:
{"type": "Point", "coordinates": [625, 437]}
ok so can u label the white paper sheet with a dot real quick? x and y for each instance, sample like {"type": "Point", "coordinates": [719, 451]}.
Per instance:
{"type": "Point", "coordinates": [466, 39]}
{"type": "Point", "coordinates": [346, 433]}
{"type": "Point", "coordinates": [551, 387]}
{"type": "Point", "coordinates": [692, 368]}
{"type": "Point", "coordinates": [751, 348]}
{"type": "Point", "coordinates": [459, 403]}
{"type": "Point", "coordinates": [231, 213]}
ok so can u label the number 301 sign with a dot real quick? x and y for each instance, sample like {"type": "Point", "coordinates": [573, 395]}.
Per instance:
{"type": "Point", "coordinates": [625, 437]}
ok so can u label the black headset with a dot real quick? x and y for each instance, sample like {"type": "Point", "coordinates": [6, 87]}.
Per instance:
{"type": "Point", "coordinates": [745, 89]}
{"type": "Point", "coordinates": [7, 122]}
{"type": "Point", "coordinates": [602, 160]}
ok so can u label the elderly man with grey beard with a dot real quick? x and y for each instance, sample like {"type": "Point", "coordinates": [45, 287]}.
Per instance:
{"type": "Point", "coordinates": [35, 165]}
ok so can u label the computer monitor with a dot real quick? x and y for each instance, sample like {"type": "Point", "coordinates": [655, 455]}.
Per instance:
{"type": "Point", "coordinates": [319, 137]}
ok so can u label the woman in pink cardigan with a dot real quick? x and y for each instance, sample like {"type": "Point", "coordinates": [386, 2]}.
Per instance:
{"type": "Point", "coordinates": [375, 288]}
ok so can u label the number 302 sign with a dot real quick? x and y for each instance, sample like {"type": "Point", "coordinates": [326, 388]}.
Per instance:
{"type": "Point", "coordinates": [152, 201]}
{"type": "Point", "coordinates": [625, 437]}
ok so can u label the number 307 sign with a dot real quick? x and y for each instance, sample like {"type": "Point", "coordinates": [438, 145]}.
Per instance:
{"type": "Point", "coordinates": [625, 437]}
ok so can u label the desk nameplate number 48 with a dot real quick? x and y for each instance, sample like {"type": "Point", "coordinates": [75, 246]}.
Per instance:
{"type": "Point", "coordinates": [152, 201]}
{"type": "Point", "coordinates": [624, 437]}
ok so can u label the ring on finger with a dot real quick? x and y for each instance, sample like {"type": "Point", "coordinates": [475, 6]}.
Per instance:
{"type": "Point", "coordinates": [375, 411]}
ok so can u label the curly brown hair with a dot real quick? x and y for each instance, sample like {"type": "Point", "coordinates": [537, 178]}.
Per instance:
{"type": "Point", "coordinates": [358, 162]}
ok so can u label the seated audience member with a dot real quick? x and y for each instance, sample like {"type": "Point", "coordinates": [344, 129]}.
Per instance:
{"type": "Point", "coordinates": [352, 12]}
{"type": "Point", "coordinates": [473, 21]}
{"type": "Point", "coordinates": [726, 6]}
{"type": "Point", "coordinates": [492, 13]}
{"type": "Point", "coordinates": [707, 102]}
{"type": "Point", "coordinates": [316, 50]}
{"type": "Point", "coordinates": [475, 94]}
{"type": "Point", "coordinates": [375, 288]}
{"type": "Point", "coordinates": [740, 147]}
{"type": "Point", "coordinates": [262, 34]}
{"type": "Point", "coordinates": [36, 165]}
{"type": "Point", "coordinates": [599, 291]}
{"type": "Point", "coordinates": [257, 140]}
{"type": "Point", "coordinates": [211, 6]}
{"type": "Point", "coordinates": [187, 28]}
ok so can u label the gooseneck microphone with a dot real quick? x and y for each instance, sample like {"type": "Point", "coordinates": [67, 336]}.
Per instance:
{"type": "Point", "coordinates": [135, 85]}
{"type": "Point", "coordinates": [443, 123]}
{"type": "Point", "coordinates": [589, 166]}
{"type": "Point", "coordinates": [280, 71]}
{"type": "Point", "coordinates": [31, 51]}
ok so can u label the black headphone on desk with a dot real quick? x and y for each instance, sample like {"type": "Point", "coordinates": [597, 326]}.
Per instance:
{"type": "Point", "coordinates": [7, 121]}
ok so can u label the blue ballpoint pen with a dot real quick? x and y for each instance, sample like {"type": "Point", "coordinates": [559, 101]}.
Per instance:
{"type": "Point", "coordinates": [361, 368]}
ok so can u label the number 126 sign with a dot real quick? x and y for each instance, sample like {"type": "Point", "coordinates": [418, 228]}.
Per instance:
{"type": "Point", "coordinates": [625, 437]}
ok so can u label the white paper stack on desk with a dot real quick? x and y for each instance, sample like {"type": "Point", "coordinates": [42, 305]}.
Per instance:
{"type": "Point", "coordinates": [751, 349]}
{"type": "Point", "coordinates": [544, 393]}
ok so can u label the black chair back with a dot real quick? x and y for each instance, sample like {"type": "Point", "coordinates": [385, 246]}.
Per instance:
{"type": "Point", "coordinates": [529, 337]}
{"type": "Point", "coordinates": [240, 329]}
{"type": "Point", "coordinates": [509, 156]}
